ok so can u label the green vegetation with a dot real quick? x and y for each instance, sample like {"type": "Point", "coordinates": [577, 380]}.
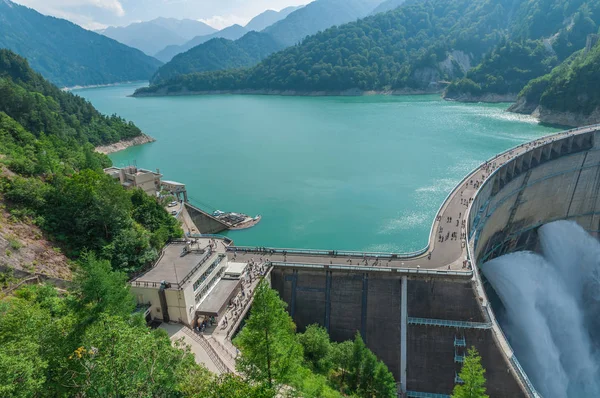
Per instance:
{"type": "Point", "coordinates": [218, 54]}
{"type": "Point", "coordinates": [67, 54]}
{"type": "Point", "coordinates": [273, 355]}
{"type": "Point", "coordinates": [415, 47]}
{"type": "Point", "coordinates": [574, 86]}
{"type": "Point", "coordinates": [543, 34]}
{"type": "Point", "coordinates": [473, 377]}
{"type": "Point", "coordinates": [399, 49]}
{"type": "Point", "coordinates": [87, 343]}
{"type": "Point", "coordinates": [47, 137]}
{"type": "Point", "coordinates": [505, 71]}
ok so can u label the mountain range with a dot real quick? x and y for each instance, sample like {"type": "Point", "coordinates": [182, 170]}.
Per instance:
{"type": "Point", "coordinates": [217, 54]}
{"type": "Point", "coordinates": [319, 15]}
{"type": "Point", "coordinates": [67, 54]}
{"type": "Point", "coordinates": [251, 49]}
{"type": "Point", "coordinates": [232, 32]}
{"type": "Point", "coordinates": [490, 50]}
{"type": "Point", "coordinates": [153, 36]}
{"type": "Point", "coordinates": [268, 18]}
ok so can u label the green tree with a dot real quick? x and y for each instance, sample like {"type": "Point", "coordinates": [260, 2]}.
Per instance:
{"type": "Point", "coordinates": [270, 351]}
{"type": "Point", "coordinates": [119, 358]}
{"type": "Point", "coordinates": [22, 363]}
{"type": "Point", "coordinates": [317, 348]}
{"type": "Point", "coordinates": [341, 355]}
{"type": "Point", "coordinates": [473, 377]}
{"type": "Point", "coordinates": [101, 290]}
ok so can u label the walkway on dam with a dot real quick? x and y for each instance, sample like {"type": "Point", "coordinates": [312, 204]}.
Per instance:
{"type": "Point", "coordinates": [447, 244]}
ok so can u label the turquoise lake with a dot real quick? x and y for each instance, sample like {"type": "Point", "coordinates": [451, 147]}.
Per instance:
{"type": "Point", "coordinates": [345, 173]}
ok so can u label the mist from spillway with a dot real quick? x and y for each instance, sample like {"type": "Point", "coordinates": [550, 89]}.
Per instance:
{"type": "Point", "coordinates": [552, 309]}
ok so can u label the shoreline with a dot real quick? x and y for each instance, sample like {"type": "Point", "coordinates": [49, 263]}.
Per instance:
{"type": "Point", "coordinates": [290, 93]}
{"type": "Point", "coordinates": [124, 144]}
{"type": "Point", "coordinates": [101, 85]}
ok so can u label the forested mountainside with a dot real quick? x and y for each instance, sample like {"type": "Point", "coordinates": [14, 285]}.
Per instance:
{"type": "Point", "coordinates": [232, 32]}
{"type": "Point", "coordinates": [67, 54]}
{"type": "Point", "coordinates": [569, 95]}
{"type": "Point", "coordinates": [219, 54]}
{"type": "Point", "coordinates": [558, 29]}
{"type": "Point", "coordinates": [410, 48]}
{"type": "Point", "coordinates": [253, 47]}
{"type": "Point", "coordinates": [319, 15]}
{"type": "Point", "coordinates": [85, 341]}
{"type": "Point", "coordinates": [153, 36]}
{"type": "Point", "coordinates": [268, 18]}
{"type": "Point", "coordinates": [47, 139]}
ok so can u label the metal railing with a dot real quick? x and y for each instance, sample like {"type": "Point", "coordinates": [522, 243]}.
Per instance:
{"type": "Point", "coordinates": [178, 285]}
{"type": "Point", "coordinates": [449, 323]}
{"type": "Point", "coordinates": [418, 394]}
{"type": "Point", "coordinates": [318, 252]}
{"type": "Point", "coordinates": [219, 363]}
{"type": "Point", "coordinates": [412, 271]}
{"type": "Point", "coordinates": [224, 238]}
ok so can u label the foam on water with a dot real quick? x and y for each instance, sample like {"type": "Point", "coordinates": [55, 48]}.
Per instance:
{"type": "Point", "coordinates": [552, 304]}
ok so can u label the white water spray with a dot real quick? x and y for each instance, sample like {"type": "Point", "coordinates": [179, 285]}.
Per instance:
{"type": "Point", "coordinates": [552, 304]}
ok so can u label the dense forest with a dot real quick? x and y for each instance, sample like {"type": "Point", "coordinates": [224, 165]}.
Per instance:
{"type": "Point", "coordinates": [485, 47]}
{"type": "Point", "coordinates": [573, 88]}
{"type": "Point", "coordinates": [544, 33]}
{"type": "Point", "coordinates": [405, 48]}
{"type": "Point", "coordinates": [67, 54]}
{"type": "Point", "coordinates": [219, 54]}
{"type": "Point", "coordinates": [47, 138]}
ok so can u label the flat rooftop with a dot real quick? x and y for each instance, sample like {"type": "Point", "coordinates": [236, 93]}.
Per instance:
{"type": "Point", "coordinates": [172, 267]}
{"type": "Point", "coordinates": [219, 297]}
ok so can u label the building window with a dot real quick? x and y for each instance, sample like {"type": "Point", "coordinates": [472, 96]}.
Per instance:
{"type": "Point", "coordinates": [200, 295]}
{"type": "Point", "coordinates": [208, 271]}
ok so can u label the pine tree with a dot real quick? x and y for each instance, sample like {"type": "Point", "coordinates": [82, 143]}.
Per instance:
{"type": "Point", "coordinates": [473, 376]}
{"type": "Point", "coordinates": [270, 351]}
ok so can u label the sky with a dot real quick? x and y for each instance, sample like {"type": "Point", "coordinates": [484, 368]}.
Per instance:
{"type": "Point", "coordinates": [97, 14]}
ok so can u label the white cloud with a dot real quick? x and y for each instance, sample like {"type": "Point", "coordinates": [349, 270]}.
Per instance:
{"type": "Point", "coordinates": [65, 9]}
{"type": "Point", "coordinates": [219, 22]}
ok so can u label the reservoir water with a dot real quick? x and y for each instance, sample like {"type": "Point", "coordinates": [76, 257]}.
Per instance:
{"type": "Point", "coordinates": [345, 173]}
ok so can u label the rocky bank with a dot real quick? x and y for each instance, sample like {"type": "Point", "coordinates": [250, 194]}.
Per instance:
{"type": "Point", "coordinates": [123, 144]}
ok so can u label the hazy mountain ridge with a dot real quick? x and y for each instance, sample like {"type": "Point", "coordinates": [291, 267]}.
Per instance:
{"type": "Point", "coordinates": [268, 18]}
{"type": "Point", "coordinates": [67, 54]}
{"type": "Point", "coordinates": [153, 36]}
{"type": "Point", "coordinates": [232, 32]}
{"type": "Point", "coordinates": [317, 16]}
{"type": "Point", "coordinates": [388, 5]}
{"type": "Point", "coordinates": [218, 54]}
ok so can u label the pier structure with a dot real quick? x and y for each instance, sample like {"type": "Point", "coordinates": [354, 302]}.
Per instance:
{"type": "Point", "coordinates": [420, 311]}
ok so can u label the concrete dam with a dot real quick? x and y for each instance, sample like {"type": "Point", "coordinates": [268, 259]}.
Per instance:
{"type": "Point", "coordinates": [419, 312]}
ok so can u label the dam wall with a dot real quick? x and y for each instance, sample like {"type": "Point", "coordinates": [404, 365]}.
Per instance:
{"type": "Point", "coordinates": [347, 302]}
{"type": "Point", "coordinates": [206, 223]}
{"type": "Point", "coordinates": [559, 180]}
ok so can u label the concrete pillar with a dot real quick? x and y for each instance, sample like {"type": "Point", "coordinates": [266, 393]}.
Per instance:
{"type": "Point", "coordinates": [363, 318]}
{"type": "Point", "coordinates": [294, 285]}
{"type": "Point", "coordinates": [403, 326]}
{"type": "Point", "coordinates": [327, 299]}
